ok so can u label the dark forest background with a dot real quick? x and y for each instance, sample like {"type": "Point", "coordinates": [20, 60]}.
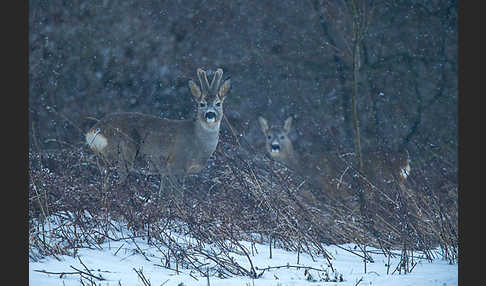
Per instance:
{"type": "Point", "coordinates": [305, 59]}
{"type": "Point", "coordinates": [285, 58]}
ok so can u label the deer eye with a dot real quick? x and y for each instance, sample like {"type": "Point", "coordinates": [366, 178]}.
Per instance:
{"type": "Point", "coordinates": [282, 137]}
{"type": "Point", "coordinates": [269, 137]}
{"type": "Point", "coordinates": [202, 104]}
{"type": "Point", "coordinates": [218, 104]}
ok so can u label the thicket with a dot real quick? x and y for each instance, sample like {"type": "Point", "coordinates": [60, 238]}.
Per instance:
{"type": "Point", "coordinates": [242, 195]}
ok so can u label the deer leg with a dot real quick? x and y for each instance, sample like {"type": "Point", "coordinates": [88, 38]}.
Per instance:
{"type": "Point", "coordinates": [166, 184]}
{"type": "Point", "coordinates": [106, 170]}
{"type": "Point", "coordinates": [122, 171]}
{"type": "Point", "coordinates": [105, 185]}
{"type": "Point", "coordinates": [127, 151]}
{"type": "Point", "coordinates": [103, 171]}
{"type": "Point", "coordinates": [161, 185]}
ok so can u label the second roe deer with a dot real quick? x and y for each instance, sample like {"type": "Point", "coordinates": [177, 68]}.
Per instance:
{"type": "Point", "coordinates": [278, 143]}
{"type": "Point", "coordinates": [132, 141]}
{"type": "Point", "coordinates": [328, 170]}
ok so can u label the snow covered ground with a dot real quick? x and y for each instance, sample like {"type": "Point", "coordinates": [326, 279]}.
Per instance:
{"type": "Point", "coordinates": [121, 263]}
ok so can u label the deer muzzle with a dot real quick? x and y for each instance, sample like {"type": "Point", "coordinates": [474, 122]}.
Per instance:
{"type": "Point", "coordinates": [210, 117]}
{"type": "Point", "coordinates": [275, 147]}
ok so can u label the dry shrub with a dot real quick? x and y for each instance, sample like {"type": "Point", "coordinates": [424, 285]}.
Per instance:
{"type": "Point", "coordinates": [242, 195]}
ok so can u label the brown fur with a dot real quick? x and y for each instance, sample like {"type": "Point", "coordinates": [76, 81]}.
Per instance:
{"type": "Point", "coordinates": [138, 142]}
{"type": "Point", "coordinates": [329, 170]}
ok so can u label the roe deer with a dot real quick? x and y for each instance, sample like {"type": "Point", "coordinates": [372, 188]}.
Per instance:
{"type": "Point", "coordinates": [132, 141]}
{"type": "Point", "coordinates": [328, 170]}
{"type": "Point", "coordinates": [280, 147]}
{"type": "Point", "coordinates": [278, 143]}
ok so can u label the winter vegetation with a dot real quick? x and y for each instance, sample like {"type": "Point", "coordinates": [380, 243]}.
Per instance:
{"type": "Point", "coordinates": [330, 79]}
{"type": "Point", "coordinates": [129, 260]}
{"type": "Point", "coordinates": [204, 221]}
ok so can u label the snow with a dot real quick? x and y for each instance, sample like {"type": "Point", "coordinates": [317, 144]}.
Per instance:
{"type": "Point", "coordinates": [119, 261]}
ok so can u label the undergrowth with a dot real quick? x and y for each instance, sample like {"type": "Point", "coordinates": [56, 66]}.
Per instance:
{"type": "Point", "coordinates": [241, 196]}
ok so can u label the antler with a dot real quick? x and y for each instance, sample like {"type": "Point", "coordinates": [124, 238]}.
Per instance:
{"type": "Point", "coordinates": [205, 86]}
{"type": "Point", "coordinates": [216, 81]}
{"type": "Point", "coordinates": [203, 80]}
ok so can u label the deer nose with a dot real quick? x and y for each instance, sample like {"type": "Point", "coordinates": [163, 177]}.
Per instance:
{"type": "Point", "coordinates": [275, 147]}
{"type": "Point", "coordinates": [210, 116]}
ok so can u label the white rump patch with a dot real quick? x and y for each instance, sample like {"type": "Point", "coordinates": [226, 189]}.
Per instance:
{"type": "Point", "coordinates": [96, 140]}
{"type": "Point", "coordinates": [406, 170]}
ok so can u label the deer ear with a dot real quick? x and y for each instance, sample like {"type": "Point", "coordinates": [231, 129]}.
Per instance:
{"type": "Point", "coordinates": [288, 124]}
{"type": "Point", "coordinates": [224, 88]}
{"type": "Point", "coordinates": [263, 124]}
{"type": "Point", "coordinates": [195, 90]}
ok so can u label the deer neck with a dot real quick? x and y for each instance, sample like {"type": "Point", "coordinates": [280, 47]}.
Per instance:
{"type": "Point", "coordinates": [207, 135]}
{"type": "Point", "coordinates": [293, 159]}
{"type": "Point", "coordinates": [289, 157]}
